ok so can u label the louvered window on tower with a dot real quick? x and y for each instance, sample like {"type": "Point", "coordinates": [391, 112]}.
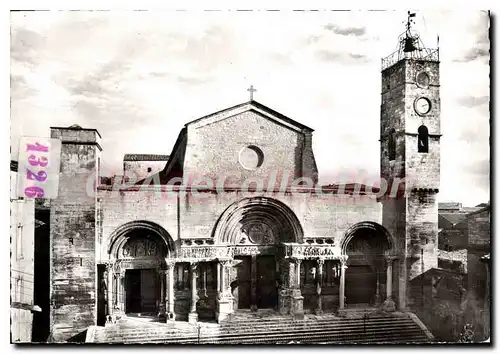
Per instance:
{"type": "Point", "coordinates": [423, 139]}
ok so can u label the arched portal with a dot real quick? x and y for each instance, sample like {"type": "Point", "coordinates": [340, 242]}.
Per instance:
{"type": "Point", "coordinates": [260, 221]}
{"type": "Point", "coordinates": [256, 227]}
{"type": "Point", "coordinates": [365, 244]}
{"type": "Point", "coordinates": [137, 229]}
{"type": "Point", "coordinates": [139, 251]}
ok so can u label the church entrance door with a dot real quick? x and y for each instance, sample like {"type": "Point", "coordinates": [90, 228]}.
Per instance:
{"type": "Point", "coordinates": [142, 291]}
{"type": "Point", "coordinates": [243, 284]}
{"type": "Point", "coordinates": [267, 296]}
{"type": "Point", "coordinates": [361, 283]}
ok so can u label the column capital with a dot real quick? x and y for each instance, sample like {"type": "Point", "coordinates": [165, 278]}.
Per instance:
{"type": "Point", "coordinates": [343, 260]}
{"type": "Point", "coordinates": [390, 258]}
{"type": "Point", "coordinates": [110, 264]}
{"type": "Point", "coordinates": [194, 266]}
{"type": "Point", "coordinates": [320, 262]}
{"type": "Point", "coordinates": [169, 262]}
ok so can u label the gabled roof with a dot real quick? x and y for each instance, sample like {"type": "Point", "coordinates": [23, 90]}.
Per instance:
{"type": "Point", "coordinates": [145, 157]}
{"type": "Point", "coordinates": [454, 218]}
{"type": "Point", "coordinates": [450, 206]}
{"type": "Point", "coordinates": [488, 207]}
{"type": "Point", "coordinates": [247, 106]}
{"type": "Point", "coordinates": [470, 209]}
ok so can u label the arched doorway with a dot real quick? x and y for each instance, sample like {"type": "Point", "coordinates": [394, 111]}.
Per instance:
{"type": "Point", "coordinates": [142, 280]}
{"type": "Point", "coordinates": [256, 226]}
{"type": "Point", "coordinates": [365, 245]}
{"type": "Point", "coordinates": [139, 251]}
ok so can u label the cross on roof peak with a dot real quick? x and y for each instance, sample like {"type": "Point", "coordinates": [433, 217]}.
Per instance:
{"type": "Point", "coordinates": [251, 90]}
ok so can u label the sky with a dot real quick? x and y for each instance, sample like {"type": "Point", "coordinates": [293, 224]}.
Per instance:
{"type": "Point", "coordinates": [138, 77]}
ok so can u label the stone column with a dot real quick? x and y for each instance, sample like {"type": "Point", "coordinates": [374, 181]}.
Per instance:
{"type": "Point", "coordinates": [203, 270]}
{"type": "Point", "coordinates": [343, 268]}
{"type": "Point", "coordinates": [224, 296]}
{"type": "Point", "coordinates": [162, 309]}
{"type": "Point", "coordinates": [253, 285]}
{"type": "Point", "coordinates": [120, 285]}
{"type": "Point", "coordinates": [297, 300]}
{"type": "Point", "coordinates": [193, 315]}
{"type": "Point", "coordinates": [389, 304]}
{"type": "Point", "coordinates": [219, 284]}
{"type": "Point", "coordinates": [284, 293]}
{"type": "Point", "coordinates": [170, 292]}
{"type": "Point", "coordinates": [319, 283]}
{"type": "Point", "coordinates": [109, 290]}
{"type": "Point", "coordinates": [377, 288]}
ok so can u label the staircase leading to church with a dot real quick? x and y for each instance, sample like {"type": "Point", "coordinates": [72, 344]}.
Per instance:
{"type": "Point", "coordinates": [275, 329]}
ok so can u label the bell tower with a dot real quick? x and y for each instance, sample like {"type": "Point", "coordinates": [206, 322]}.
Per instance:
{"type": "Point", "coordinates": [410, 157]}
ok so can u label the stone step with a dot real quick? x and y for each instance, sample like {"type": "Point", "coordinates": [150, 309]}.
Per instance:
{"type": "Point", "coordinates": [306, 322]}
{"type": "Point", "coordinates": [262, 327]}
{"type": "Point", "coordinates": [352, 329]}
{"type": "Point", "coordinates": [146, 336]}
{"type": "Point", "coordinates": [314, 337]}
{"type": "Point", "coordinates": [328, 329]}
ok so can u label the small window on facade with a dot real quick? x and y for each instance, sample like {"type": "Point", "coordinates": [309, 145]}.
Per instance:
{"type": "Point", "coordinates": [149, 169]}
{"type": "Point", "coordinates": [392, 145]}
{"type": "Point", "coordinates": [423, 139]}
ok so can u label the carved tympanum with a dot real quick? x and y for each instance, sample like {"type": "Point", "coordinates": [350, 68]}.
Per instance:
{"type": "Point", "coordinates": [142, 247]}
{"type": "Point", "coordinates": [259, 233]}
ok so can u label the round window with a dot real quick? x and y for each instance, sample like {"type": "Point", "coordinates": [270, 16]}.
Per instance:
{"type": "Point", "coordinates": [251, 157]}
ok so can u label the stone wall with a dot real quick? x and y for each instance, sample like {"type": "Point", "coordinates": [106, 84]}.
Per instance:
{"type": "Point", "coordinates": [139, 170]}
{"type": "Point", "coordinates": [72, 235]}
{"type": "Point", "coordinates": [479, 273]}
{"type": "Point", "coordinates": [258, 148]}
{"type": "Point", "coordinates": [441, 302]}
{"type": "Point", "coordinates": [187, 216]}
{"type": "Point", "coordinates": [22, 238]}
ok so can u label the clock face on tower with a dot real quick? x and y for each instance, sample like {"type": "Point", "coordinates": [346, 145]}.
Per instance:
{"type": "Point", "coordinates": [422, 105]}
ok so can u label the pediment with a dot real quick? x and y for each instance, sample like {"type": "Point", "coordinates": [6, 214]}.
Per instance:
{"type": "Point", "coordinates": [252, 106]}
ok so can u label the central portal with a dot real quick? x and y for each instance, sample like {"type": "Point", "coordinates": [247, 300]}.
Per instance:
{"type": "Point", "coordinates": [254, 284]}
{"type": "Point", "coordinates": [267, 295]}
{"type": "Point", "coordinates": [142, 291]}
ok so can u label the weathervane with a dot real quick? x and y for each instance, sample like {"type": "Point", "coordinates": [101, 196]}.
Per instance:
{"type": "Point", "coordinates": [251, 90]}
{"type": "Point", "coordinates": [409, 40]}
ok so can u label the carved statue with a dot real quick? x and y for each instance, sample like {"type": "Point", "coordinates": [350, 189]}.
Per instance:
{"type": "Point", "coordinates": [126, 251]}
{"type": "Point", "coordinates": [152, 249]}
{"type": "Point", "coordinates": [140, 250]}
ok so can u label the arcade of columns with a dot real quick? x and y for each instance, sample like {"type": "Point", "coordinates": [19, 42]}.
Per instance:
{"type": "Point", "coordinates": [290, 299]}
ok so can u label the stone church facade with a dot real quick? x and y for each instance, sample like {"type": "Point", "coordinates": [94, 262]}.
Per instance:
{"type": "Point", "coordinates": [234, 218]}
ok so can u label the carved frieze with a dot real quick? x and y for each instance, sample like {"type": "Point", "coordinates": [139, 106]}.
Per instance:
{"type": "Point", "coordinates": [206, 252]}
{"type": "Point", "coordinates": [140, 247]}
{"type": "Point", "coordinates": [252, 250]}
{"type": "Point", "coordinates": [311, 251]}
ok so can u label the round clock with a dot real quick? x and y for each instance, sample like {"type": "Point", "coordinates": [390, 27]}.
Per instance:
{"type": "Point", "coordinates": [422, 105]}
{"type": "Point", "coordinates": [422, 79]}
